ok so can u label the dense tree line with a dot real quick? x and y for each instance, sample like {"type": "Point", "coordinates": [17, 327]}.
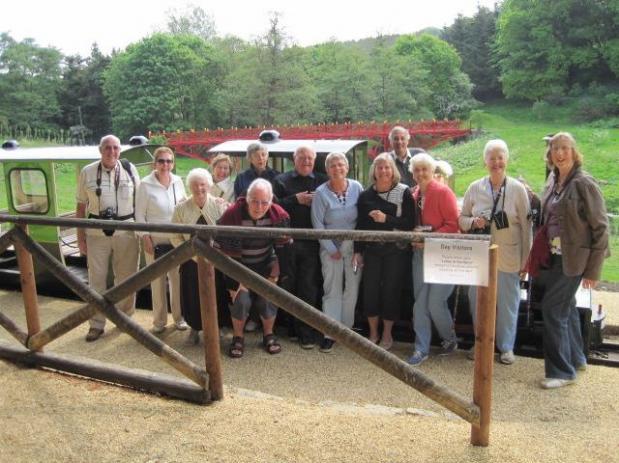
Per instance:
{"type": "Point", "coordinates": [189, 77]}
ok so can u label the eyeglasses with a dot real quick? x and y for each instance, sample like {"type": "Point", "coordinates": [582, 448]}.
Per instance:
{"type": "Point", "coordinates": [257, 202]}
{"type": "Point", "coordinates": [165, 161]}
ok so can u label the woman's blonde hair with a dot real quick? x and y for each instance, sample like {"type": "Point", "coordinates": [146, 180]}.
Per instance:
{"type": "Point", "coordinates": [572, 141]}
{"type": "Point", "coordinates": [163, 150]}
{"type": "Point", "coordinates": [221, 157]}
{"type": "Point", "coordinates": [385, 157]}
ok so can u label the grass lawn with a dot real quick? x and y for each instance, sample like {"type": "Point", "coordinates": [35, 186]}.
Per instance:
{"type": "Point", "coordinates": [523, 132]}
{"type": "Point", "coordinates": [515, 124]}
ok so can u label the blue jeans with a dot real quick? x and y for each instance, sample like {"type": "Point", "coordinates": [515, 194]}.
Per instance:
{"type": "Point", "coordinates": [563, 345]}
{"type": "Point", "coordinates": [430, 306]}
{"type": "Point", "coordinates": [508, 304]}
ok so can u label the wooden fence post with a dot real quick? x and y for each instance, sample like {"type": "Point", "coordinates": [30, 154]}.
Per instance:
{"type": "Point", "coordinates": [210, 328]}
{"type": "Point", "coordinates": [28, 285]}
{"type": "Point", "coordinates": [484, 352]}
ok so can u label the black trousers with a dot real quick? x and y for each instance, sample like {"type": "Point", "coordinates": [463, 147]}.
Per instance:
{"type": "Point", "coordinates": [304, 279]}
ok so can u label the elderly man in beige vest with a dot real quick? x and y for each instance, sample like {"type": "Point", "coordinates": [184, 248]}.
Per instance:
{"type": "Point", "coordinates": [106, 190]}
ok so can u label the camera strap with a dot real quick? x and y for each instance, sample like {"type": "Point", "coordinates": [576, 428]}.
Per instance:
{"type": "Point", "coordinates": [116, 184]}
{"type": "Point", "coordinates": [498, 197]}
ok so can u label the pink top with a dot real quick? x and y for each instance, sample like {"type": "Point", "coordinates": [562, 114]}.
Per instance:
{"type": "Point", "coordinates": [440, 208]}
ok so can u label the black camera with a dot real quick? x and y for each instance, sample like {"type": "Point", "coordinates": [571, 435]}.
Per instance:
{"type": "Point", "coordinates": [108, 214]}
{"type": "Point", "coordinates": [481, 231]}
{"type": "Point", "coordinates": [500, 220]}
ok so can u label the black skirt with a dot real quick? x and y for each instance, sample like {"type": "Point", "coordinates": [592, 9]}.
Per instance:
{"type": "Point", "coordinates": [190, 295]}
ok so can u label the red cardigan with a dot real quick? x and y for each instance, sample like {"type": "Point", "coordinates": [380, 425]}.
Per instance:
{"type": "Point", "coordinates": [440, 208]}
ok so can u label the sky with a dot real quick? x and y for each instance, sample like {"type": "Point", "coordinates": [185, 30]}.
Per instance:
{"type": "Point", "coordinates": [72, 26]}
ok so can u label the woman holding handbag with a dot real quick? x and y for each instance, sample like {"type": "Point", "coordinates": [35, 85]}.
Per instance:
{"type": "Point", "coordinates": [157, 195]}
{"type": "Point", "coordinates": [576, 227]}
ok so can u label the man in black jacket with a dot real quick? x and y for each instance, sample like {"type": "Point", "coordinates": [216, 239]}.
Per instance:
{"type": "Point", "coordinates": [294, 190]}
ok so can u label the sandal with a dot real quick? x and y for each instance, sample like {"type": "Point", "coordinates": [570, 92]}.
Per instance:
{"type": "Point", "coordinates": [271, 345]}
{"type": "Point", "coordinates": [237, 348]}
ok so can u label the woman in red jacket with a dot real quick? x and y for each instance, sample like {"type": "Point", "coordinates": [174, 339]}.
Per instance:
{"type": "Point", "coordinates": [438, 211]}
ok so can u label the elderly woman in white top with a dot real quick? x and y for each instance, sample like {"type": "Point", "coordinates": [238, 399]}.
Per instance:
{"type": "Point", "coordinates": [499, 206]}
{"type": "Point", "coordinates": [156, 197]}
{"type": "Point", "coordinates": [223, 186]}
{"type": "Point", "coordinates": [200, 208]}
{"type": "Point", "coordinates": [334, 207]}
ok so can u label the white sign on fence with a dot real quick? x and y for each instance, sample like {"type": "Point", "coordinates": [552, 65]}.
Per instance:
{"type": "Point", "coordinates": [458, 262]}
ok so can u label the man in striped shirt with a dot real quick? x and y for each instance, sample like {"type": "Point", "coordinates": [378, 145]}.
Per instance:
{"type": "Point", "coordinates": [262, 255]}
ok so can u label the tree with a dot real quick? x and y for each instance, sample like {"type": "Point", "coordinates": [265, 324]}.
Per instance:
{"type": "Point", "coordinates": [193, 20]}
{"type": "Point", "coordinates": [473, 38]}
{"type": "Point", "coordinates": [449, 88]}
{"type": "Point", "coordinates": [269, 83]}
{"type": "Point", "coordinates": [163, 82]}
{"type": "Point", "coordinates": [29, 79]}
{"type": "Point", "coordinates": [397, 82]}
{"type": "Point", "coordinates": [548, 48]}
{"type": "Point", "coordinates": [341, 78]}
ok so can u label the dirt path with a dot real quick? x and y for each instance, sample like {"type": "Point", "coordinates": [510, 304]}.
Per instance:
{"type": "Point", "coordinates": [295, 407]}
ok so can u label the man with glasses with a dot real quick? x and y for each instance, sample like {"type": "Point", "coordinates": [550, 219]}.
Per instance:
{"type": "Point", "coordinates": [294, 191]}
{"type": "Point", "coordinates": [106, 190]}
{"type": "Point", "coordinates": [262, 255]}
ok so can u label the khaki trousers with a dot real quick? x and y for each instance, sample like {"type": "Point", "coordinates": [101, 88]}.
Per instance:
{"type": "Point", "coordinates": [123, 248]}
{"type": "Point", "coordinates": [158, 289]}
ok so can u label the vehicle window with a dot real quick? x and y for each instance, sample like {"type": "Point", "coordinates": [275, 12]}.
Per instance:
{"type": "Point", "coordinates": [29, 191]}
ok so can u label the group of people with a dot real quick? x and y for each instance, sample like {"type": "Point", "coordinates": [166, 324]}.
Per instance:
{"type": "Point", "coordinates": [408, 191]}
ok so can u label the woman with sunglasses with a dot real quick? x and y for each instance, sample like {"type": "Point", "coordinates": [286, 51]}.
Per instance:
{"type": "Point", "coordinates": [157, 195]}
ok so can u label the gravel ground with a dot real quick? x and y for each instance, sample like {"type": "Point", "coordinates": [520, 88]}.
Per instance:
{"type": "Point", "coordinates": [294, 407]}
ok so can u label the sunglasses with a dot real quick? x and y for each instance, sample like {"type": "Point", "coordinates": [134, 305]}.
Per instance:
{"type": "Point", "coordinates": [165, 161]}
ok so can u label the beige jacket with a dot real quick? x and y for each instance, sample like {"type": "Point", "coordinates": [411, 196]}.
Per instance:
{"type": "Point", "coordinates": [188, 213]}
{"type": "Point", "coordinates": [514, 241]}
{"type": "Point", "coordinates": [583, 224]}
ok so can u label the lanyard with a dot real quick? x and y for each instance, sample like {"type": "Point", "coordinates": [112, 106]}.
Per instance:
{"type": "Point", "coordinates": [116, 184]}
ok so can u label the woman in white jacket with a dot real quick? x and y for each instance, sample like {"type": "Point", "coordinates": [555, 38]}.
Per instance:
{"type": "Point", "coordinates": [498, 205]}
{"type": "Point", "coordinates": [158, 194]}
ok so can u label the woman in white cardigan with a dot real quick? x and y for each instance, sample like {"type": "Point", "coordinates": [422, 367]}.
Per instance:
{"type": "Point", "coordinates": [499, 206]}
{"type": "Point", "coordinates": [157, 195]}
{"type": "Point", "coordinates": [201, 208]}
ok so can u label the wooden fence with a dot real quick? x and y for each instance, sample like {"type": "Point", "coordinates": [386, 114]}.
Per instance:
{"type": "Point", "coordinates": [207, 383]}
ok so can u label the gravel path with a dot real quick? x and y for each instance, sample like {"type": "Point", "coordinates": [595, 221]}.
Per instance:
{"type": "Point", "coordinates": [294, 407]}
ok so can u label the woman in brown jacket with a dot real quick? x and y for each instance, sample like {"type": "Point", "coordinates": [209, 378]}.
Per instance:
{"type": "Point", "coordinates": [574, 213]}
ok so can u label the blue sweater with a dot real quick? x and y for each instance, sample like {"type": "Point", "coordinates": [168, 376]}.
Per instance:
{"type": "Point", "coordinates": [332, 213]}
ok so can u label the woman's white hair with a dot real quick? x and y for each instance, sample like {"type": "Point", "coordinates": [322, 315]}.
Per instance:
{"type": "Point", "coordinates": [493, 145]}
{"type": "Point", "coordinates": [443, 168]}
{"type": "Point", "coordinates": [331, 157]}
{"type": "Point", "coordinates": [422, 158]}
{"type": "Point", "coordinates": [199, 173]}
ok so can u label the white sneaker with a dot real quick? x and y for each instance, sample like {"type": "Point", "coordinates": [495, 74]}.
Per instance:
{"type": "Point", "coordinates": [554, 383]}
{"type": "Point", "coordinates": [157, 329]}
{"type": "Point", "coordinates": [181, 325]}
{"type": "Point", "coordinates": [507, 358]}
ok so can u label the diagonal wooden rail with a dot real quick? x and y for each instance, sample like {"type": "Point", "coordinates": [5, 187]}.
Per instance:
{"type": "Point", "coordinates": [347, 337]}
{"type": "Point", "coordinates": [121, 320]}
{"type": "Point", "coordinates": [124, 289]}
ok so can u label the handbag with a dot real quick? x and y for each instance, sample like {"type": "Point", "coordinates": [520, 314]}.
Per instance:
{"type": "Point", "coordinates": [539, 256]}
{"type": "Point", "coordinates": [162, 249]}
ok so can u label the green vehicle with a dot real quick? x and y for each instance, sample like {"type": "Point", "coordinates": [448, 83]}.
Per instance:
{"type": "Point", "coordinates": [32, 188]}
